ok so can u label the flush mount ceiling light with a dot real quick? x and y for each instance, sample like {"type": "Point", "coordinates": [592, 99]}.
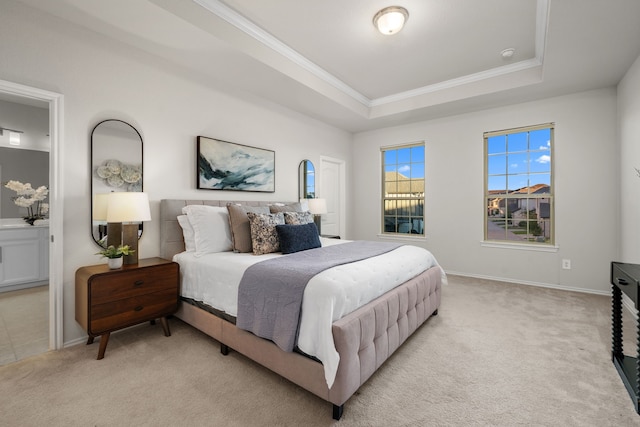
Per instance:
{"type": "Point", "coordinates": [507, 53]}
{"type": "Point", "coordinates": [391, 19]}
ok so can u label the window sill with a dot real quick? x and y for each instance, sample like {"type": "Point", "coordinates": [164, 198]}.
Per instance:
{"type": "Point", "coordinates": [520, 246]}
{"type": "Point", "coordinates": [407, 236]}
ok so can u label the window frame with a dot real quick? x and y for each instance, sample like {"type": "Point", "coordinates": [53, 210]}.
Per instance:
{"type": "Point", "coordinates": [518, 197]}
{"type": "Point", "coordinates": [420, 199]}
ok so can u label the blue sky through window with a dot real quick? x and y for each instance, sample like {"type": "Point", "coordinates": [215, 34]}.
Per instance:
{"type": "Point", "coordinates": [406, 161]}
{"type": "Point", "coordinates": [519, 160]}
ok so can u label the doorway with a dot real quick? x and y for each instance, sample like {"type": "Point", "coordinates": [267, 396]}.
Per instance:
{"type": "Point", "coordinates": [14, 92]}
{"type": "Point", "coordinates": [331, 187]}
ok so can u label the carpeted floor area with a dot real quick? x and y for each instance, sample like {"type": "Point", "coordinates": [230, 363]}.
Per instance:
{"type": "Point", "coordinates": [498, 354]}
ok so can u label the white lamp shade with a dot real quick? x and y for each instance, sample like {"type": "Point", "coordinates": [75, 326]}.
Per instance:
{"type": "Point", "coordinates": [128, 207]}
{"type": "Point", "coordinates": [100, 207]}
{"type": "Point", "coordinates": [317, 206]}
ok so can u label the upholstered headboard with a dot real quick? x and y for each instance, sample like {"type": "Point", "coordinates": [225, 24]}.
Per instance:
{"type": "Point", "coordinates": [171, 240]}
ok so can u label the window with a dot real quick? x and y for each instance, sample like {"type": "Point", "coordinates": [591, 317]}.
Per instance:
{"type": "Point", "coordinates": [403, 189]}
{"type": "Point", "coordinates": [519, 185]}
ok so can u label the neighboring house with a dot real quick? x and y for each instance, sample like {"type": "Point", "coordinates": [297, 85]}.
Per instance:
{"type": "Point", "coordinates": [519, 209]}
{"type": "Point", "coordinates": [402, 187]}
{"type": "Point", "coordinates": [496, 206]}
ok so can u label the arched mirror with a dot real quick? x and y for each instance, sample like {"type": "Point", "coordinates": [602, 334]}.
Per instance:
{"type": "Point", "coordinates": [306, 180]}
{"type": "Point", "coordinates": [116, 166]}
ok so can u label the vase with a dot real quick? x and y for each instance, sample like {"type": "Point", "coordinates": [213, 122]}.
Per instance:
{"type": "Point", "coordinates": [114, 263]}
{"type": "Point", "coordinates": [30, 220]}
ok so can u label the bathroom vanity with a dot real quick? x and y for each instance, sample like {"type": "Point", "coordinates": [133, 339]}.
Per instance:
{"type": "Point", "coordinates": [24, 254]}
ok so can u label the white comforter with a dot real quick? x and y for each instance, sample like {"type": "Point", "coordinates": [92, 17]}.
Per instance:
{"type": "Point", "coordinates": [330, 295]}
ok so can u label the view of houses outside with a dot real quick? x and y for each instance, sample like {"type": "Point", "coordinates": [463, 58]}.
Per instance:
{"type": "Point", "coordinates": [403, 186]}
{"type": "Point", "coordinates": [518, 187]}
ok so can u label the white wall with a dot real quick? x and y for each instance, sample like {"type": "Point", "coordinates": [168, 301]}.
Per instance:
{"type": "Point", "coordinates": [629, 128]}
{"type": "Point", "coordinates": [101, 79]}
{"type": "Point", "coordinates": [586, 205]}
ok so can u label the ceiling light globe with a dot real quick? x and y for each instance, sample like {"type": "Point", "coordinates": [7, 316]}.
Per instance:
{"type": "Point", "coordinates": [391, 19]}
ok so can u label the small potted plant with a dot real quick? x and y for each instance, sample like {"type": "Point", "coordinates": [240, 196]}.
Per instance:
{"type": "Point", "coordinates": [114, 255]}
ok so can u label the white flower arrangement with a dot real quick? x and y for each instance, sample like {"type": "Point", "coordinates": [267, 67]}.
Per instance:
{"type": "Point", "coordinates": [27, 197]}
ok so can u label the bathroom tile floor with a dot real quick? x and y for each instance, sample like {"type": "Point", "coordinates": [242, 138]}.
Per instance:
{"type": "Point", "coordinates": [24, 323]}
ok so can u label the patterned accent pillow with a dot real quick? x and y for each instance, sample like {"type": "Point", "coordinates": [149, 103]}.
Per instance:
{"type": "Point", "coordinates": [298, 218]}
{"type": "Point", "coordinates": [264, 237]}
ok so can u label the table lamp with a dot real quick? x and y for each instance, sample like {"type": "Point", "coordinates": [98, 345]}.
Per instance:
{"type": "Point", "coordinates": [100, 215]}
{"type": "Point", "coordinates": [317, 207]}
{"type": "Point", "coordinates": [129, 209]}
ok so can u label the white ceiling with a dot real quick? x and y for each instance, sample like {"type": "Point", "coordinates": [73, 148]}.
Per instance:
{"type": "Point", "coordinates": [325, 58]}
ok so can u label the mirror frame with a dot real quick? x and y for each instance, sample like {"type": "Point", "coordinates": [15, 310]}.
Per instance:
{"type": "Point", "coordinates": [95, 230]}
{"type": "Point", "coordinates": [303, 175]}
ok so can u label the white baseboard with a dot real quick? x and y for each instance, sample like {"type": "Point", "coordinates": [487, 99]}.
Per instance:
{"type": "Point", "coordinates": [74, 342]}
{"type": "Point", "coordinates": [626, 301]}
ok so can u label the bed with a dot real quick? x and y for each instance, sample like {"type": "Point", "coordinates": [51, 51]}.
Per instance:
{"type": "Point", "coordinates": [363, 339]}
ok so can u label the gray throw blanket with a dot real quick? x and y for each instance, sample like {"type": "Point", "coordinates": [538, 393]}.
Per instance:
{"type": "Point", "coordinates": [270, 292]}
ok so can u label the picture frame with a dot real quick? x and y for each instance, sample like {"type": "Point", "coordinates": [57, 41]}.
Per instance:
{"type": "Point", "coordinates": [224, 165]}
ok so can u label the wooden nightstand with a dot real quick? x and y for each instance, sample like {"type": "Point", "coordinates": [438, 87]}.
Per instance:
{"type": "Point", "coordinates": [108, 300]}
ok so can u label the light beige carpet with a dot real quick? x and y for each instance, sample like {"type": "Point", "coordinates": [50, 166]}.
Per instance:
{"type": "Point", "coordinates": [497, 355]}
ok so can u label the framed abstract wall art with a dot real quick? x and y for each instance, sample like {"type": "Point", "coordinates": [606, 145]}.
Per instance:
{"type": "Point", "coordinates": [226, 165]}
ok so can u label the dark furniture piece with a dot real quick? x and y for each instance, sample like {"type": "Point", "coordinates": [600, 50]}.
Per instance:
{"type": "Point", "coordinates": [625, 278]}
{"type": "Point", "coordinates": [108, 300]}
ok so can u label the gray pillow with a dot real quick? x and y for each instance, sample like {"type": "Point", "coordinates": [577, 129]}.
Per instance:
{"type": "Point", "coordinates": [294, 207]}
{"type": "Point", "coordinates": [239, 224]}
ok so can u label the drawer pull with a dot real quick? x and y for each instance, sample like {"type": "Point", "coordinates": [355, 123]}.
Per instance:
{"type": "Point", "coordinates": [138, 283]}
{"type": "Point", "coordinates": [138, 308]}
{"type": "Point", "coordinates": [622, 282]}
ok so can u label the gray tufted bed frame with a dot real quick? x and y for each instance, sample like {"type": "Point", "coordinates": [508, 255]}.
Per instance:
{"type": "Point", "coordinates": [364, 338]}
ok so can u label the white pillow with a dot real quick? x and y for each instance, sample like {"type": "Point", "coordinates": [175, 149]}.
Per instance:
{"type": "Point", "coordinates": [305, 204]}
{"type": "Point", "coordinates": [187, 233]}
{"type": "Point", "coordinates": [211, 228]}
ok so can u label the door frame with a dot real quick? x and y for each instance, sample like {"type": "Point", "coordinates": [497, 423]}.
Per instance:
{"type": "Point", "coordinates": [56, 131]}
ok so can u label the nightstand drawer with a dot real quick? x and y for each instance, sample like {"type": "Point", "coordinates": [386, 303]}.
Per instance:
{"type": "Point", "coordinates": [129, 311]}
{"type": "Point", "coordinates": [114, 287]}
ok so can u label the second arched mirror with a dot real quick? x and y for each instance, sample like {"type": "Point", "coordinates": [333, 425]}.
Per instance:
{"type": "Point", "coordinates": [306, 180]}
{"type": "Point", "coordinates": [116, 166]}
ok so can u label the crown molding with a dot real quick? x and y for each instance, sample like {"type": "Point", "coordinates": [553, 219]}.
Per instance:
{"type": "Point", "coordinates": [234, 18]}
{"type": "Point", "coordinates": [229, 15]}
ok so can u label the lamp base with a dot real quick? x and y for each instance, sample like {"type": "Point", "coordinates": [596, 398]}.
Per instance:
{"type": "Point", "coordinates": [130, 238]}
{"type": "Point", "coordinates": [317, 219]}
{"type": "Point", "coordinates": [114, 234]}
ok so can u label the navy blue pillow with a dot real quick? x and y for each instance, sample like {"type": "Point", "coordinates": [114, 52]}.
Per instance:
{"type": "Point", "coordinates": [296, 238]}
